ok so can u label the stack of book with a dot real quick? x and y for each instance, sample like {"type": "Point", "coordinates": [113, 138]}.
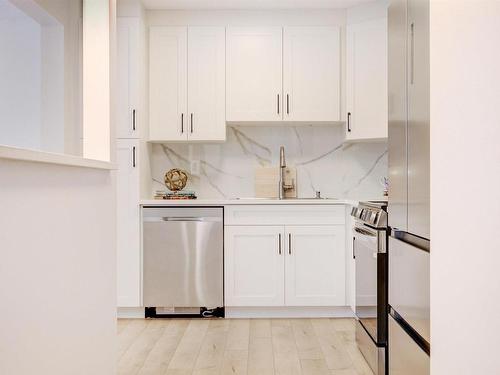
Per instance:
{"type": "Point", "coordinates": [163, 194]}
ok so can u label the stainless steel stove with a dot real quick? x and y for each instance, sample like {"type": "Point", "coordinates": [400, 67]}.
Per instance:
{"type": "Point", "coordinates": [370, 255]}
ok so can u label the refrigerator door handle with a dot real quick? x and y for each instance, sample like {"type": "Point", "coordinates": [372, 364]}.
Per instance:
{"type": "Point", "coordinates": [412, 52]}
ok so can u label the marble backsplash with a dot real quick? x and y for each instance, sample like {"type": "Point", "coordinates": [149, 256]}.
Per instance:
{"type": "Point", "coordinates": [323, 164]}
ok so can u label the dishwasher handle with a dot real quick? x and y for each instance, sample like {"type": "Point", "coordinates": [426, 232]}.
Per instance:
{"type": "Point", "coordinates": [184, 218]}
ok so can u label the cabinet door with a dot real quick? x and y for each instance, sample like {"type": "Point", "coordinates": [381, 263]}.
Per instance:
{"type": "Point", "coordinates": [128, 55]}
{"type": "Point", "coordinates": [254, 266]}
{"type": "Point", "coordinates": [418, 119]}
{"type": "Point", "coordinates": [366, 80]}
{"type": "Point", "coordinates": [397, 115]}
{"type": "Point", "coordinates": [253, 63]}
{"type": "Point", "coordinates": [315, 266]}
{"type": "Point", "coordinates": [168, 83]}
{"type": "Point", "coordinates": [206, 87]}
{"type": "Point", "coordinates": [311, 73]}
{"type": "Point", "coordinates": [128, 226]}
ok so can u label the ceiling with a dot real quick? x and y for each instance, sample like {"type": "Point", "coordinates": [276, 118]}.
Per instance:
{"type": "Point", "coordinates": [252, 4]}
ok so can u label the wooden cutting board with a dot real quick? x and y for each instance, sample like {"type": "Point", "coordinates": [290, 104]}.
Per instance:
{"type": "Point", "coordinates": [267, 180]}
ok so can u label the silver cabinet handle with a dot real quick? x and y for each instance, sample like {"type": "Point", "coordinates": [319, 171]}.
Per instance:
{"type": "Point", "coordinates": [191, 218]}
{"type": "Point", "coordinates": [191, 123]}
{"type": "Point", "coordinates": [133, 120]}
{"type": "Point", "coordinates": [165, 219]}
{"type": "Point", "coordinates": [182, 123]}
{"type": "Point", "coordinates": [133, 157]}
{"type": "Point", "coordinates": [278, 104]}
{"type": "Point", "coordinates": [349, 122]}
{"type": "Point", "coordinates": [412, 52]}
{"type": "Point", "coordinates": [287, 104]}
{"type": "Point", "coordinates": [279, 243]}
{"type": "Point", "coordinates": [289, 243]}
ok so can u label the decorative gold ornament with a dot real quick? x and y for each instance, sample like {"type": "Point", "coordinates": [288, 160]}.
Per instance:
{"type": "Point", "coordinates": [176, 179]}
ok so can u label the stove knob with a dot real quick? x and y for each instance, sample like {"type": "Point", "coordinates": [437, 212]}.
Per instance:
{"type": "Point", "coordinates": [356, 212]}
{"type": "Point", "coordinates": [365, 214]}
{"type": "Point", "coordinates": [374, 217]}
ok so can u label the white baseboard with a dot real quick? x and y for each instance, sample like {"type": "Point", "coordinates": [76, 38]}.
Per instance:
{"type": "Point", "coordinates": [289, 312]}
{"type": "Point", "coordinates": [130, 312]}
{"type": "Point", "coordinates": [260, 312]}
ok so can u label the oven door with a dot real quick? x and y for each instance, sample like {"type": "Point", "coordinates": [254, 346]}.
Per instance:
{"type": "Point", "coordinates": [371, 281]}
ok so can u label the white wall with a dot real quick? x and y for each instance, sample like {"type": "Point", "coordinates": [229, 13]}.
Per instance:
{"type": "Point", "coordinates": [57, 270]}
{"type": "Point", "coordinates": [20, 78]}
{"type": "Point", "coordinates": [227, 170]}
{"type": "Point", "coordinates": [96, 80]}
{"type": "Point", "coordinates": [247, 17]}
{"type": "Point", "coordinates": [40, 75]}
{"type": "Point", "coordinates": [52, 92]}
{"type": "Point", "coordinates": [465, 180]}
{"type": "Point", "coordinates": [58, 244]}
{"type": "Point", "coordinates": [366, 12]}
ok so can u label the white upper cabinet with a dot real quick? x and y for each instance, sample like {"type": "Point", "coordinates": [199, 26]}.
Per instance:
{"type": "Point", "coordinates": [187, 76]}
{"type": "Point", "coordinates": [315, 266]}
{"type": "Point", "coordinates": [366, 80]}
{"type": "Point", "coordinates": [294, 82]}
{"type": "Point", "coordinates": [254, 74]}
{"type": "Point", "coordinates": [311, 74]}
{"type": "Point", "coordinates": [128, 76]}
{"type": "Point", "coordinates": [206, 83]}
{"type": "Point", "coordinates": [168, 83]}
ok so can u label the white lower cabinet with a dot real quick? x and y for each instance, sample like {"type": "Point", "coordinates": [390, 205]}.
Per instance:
{"type": "Point", "coordinates": [315, 266]}
{"type": "Point", "coordinates": [128, 224]}
{"type": "Point", "coordinates": [284, 265]}
{"type": "Point", "coordinates": [254, 266]}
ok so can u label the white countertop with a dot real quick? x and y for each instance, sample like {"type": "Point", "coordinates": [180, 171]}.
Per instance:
{"type": "Point", "coordinates": [245, 201]}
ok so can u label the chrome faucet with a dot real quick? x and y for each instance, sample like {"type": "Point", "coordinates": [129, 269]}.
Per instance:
{"type": "Point", "coordinates": [282, 188]}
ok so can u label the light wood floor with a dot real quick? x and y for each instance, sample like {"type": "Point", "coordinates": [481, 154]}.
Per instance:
{"type": "Point", "coordinates": [239, 346]}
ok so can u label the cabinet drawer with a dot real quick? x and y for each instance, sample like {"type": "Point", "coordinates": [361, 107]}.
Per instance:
{"type": "Point", "coordinates": [284, 215]}
{"type": "Point", "coordinates": [405, 356]}
{"type": "Point", "coordinates": [409, 284]}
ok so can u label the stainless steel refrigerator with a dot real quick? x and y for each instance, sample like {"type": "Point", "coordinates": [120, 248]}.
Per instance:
{"type": "Point", "coordinates": [409, 194]}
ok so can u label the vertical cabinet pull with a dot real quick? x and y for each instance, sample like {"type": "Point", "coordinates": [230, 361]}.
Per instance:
{"type": "Point", "coordinates": [279, 243]}
{"type": "Point", "coordinates": [412, 52]}
{"type": "Point", "coordinates": [278, 104]}
{"type": "Point", "coordinates": [349, 122]}
{"type": "Point", "coordinates": [182, 123]}
{"type": "Point", "coordinates": [353, 248]}
{"type": "Point", "coordinates": [290, 243]}
{"type": "Point", "coordinates": [287, 104]}
{"type": "Point", "coordinates": [191, 123]}
{"type": "Point", "coordinates": [133, 120]}
{"type": "Point", "coordinates": [133, 156]}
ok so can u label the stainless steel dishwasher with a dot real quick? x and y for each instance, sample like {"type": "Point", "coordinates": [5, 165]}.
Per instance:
{"type": "Point", "coordinates": [183, 251]}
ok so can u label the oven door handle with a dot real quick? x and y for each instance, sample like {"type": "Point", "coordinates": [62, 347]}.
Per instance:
{"type": "Point", "coordinates": [364, 232]}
